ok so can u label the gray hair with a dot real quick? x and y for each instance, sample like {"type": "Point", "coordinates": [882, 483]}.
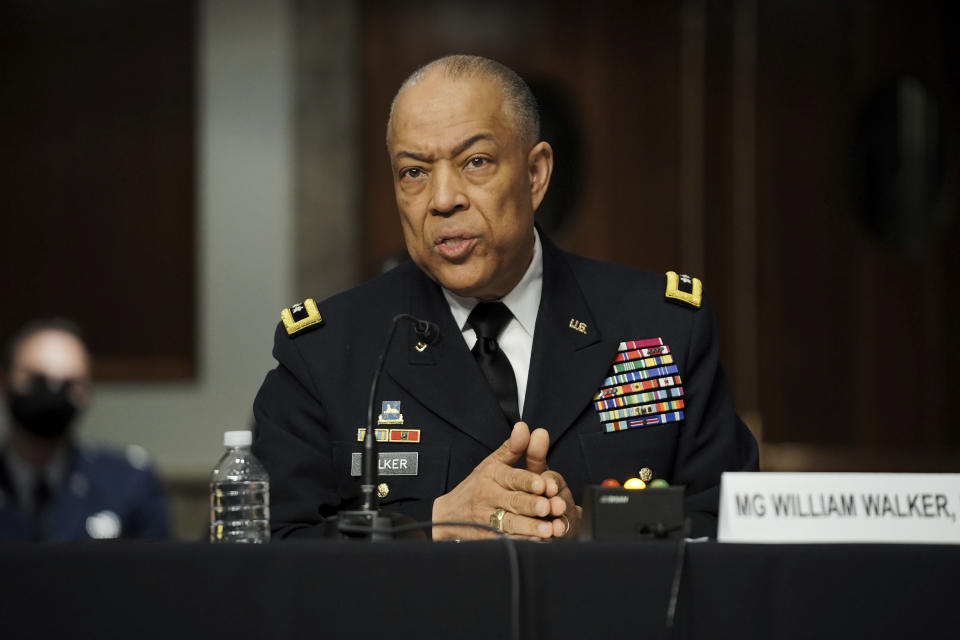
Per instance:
{"type": "Point", "coordinates": [519, 103]}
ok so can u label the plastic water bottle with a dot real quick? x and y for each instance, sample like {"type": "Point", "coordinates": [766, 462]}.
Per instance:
{"type": "Point", "coordinates": [239, 494]}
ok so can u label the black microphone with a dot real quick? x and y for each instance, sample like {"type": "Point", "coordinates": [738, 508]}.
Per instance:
{"type": "Point", "coordinates": [427, 331]}
{"type": "Point", "coordinates": [369, 514]}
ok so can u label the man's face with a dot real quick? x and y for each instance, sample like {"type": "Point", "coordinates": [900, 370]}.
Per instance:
{"type": "Point", "coordinates": [59, 357]}
{"type": "Point", "coordinates": [466, 187]}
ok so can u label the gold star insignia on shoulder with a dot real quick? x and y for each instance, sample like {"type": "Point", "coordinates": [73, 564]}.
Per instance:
{"type": "Point", "coordinates": [684, 289]}
{"type": "Point", "coordinates": [301, 316]}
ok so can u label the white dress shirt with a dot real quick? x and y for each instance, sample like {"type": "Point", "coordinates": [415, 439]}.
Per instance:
{"type": "Point", "coordinates": [523, 301]}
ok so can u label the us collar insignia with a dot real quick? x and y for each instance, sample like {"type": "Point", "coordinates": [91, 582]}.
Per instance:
{"type": "Point", "coordinates": [300, 317]}
{"type": "Point", "coordinates": [576, 325]}
{"type": "Point", "coordinates": [390, 413]}
{"type": "Point", "coordinates": [684, 289]}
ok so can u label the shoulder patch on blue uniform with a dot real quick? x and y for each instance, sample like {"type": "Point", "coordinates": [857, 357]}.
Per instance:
{"type": "Point", "coordinates": [301, 316]}
{"type": "Point", "coordinates": [684, 289]}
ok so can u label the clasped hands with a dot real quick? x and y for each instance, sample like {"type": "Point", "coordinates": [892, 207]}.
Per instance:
{"type": "Point", "coordinates": [537, 502]}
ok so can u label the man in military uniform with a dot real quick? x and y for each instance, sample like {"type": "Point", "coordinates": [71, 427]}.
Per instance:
{"type": "Point", "coordinates": [51, 487]}
{"type": "Point", "coordinates": [615, 369]}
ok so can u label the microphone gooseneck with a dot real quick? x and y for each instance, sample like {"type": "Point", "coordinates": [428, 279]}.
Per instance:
{"type": "Point", "coordinates": [428, 332]}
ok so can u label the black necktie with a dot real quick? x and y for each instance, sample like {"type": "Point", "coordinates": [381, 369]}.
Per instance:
{"type": "Point", "coordinates": [488, 319]}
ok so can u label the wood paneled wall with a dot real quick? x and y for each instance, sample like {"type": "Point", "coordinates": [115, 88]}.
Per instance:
{"type": "Point", "coordinates": [860, 332]}
{"type": "Point", "coordinates": [97, 177]}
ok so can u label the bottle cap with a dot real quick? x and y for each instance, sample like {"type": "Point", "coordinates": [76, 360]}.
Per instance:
{"type": "Point", "coordinates": [237, 438]}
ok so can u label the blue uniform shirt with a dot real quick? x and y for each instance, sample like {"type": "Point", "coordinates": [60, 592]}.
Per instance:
{"type": "Point", "coordinates": [103, 494]}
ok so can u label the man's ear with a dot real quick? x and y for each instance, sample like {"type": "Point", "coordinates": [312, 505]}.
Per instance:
{"type": "Point", "coordinates": [540, 167]}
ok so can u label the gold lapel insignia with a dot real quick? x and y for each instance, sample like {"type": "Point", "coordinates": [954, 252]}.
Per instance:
{"type": "Point", "coordinates": [576, 325]}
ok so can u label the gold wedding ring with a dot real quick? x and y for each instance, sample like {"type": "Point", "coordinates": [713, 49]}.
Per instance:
{"type": "Point", "coordinates": [566, 525]}
{"type": "Point", "coordinates": [496, 520]}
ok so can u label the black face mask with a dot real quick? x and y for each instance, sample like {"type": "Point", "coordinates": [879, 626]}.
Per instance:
{"type": "Point", "coordinates": [41, 410]}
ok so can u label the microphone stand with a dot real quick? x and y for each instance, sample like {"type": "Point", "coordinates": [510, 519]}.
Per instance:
{"type": "Point", "coordinates": [369, 522]}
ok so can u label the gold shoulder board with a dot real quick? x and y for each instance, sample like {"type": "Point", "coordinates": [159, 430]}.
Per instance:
{"type": "Point", "coordinates": [301, 316]}
{"type": "Point", "coordinates": [684, 289]}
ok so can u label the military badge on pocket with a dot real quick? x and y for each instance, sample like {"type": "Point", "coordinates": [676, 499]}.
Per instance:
{"type": "Point", "coordinates": [642, 387]}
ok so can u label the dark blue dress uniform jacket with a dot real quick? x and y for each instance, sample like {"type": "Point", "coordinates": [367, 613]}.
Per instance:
{"type": "Point", "coordinates": [309, 408]}
{"type": "Point", "coordinates": [100, 483]}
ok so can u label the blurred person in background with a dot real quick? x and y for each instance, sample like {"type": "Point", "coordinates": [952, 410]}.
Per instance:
{"type": "Point", "coordinates": [53, 488]}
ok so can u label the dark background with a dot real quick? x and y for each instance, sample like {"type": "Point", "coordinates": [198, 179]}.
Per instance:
{"type": "Point", "coordinates": [97, 176]}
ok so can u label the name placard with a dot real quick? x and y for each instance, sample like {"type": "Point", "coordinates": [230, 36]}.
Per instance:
{"type": "Point", "coordinates": [391, 463]}
{"type": "Point", "coordinates": [839, 507]}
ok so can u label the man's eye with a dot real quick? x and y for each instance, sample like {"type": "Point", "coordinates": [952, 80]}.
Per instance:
{"type": "Point", "coordinates": [477, 162]}
{"type": "Point", "coordinates": [412, 172]}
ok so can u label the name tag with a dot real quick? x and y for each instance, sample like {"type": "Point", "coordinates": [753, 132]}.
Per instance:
{"type": "Point", "coordinates": [839, 507]}
{"type": "Point", "coordinates": [391, 463]}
